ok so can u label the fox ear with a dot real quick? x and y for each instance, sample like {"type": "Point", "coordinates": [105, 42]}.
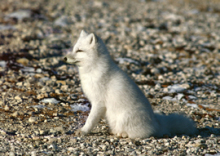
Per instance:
{"type": "Point", "coordinates": [92, 38]}
{"type": "Point", "coordinates": [83, 33]}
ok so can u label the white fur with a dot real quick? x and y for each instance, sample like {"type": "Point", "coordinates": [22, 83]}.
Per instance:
{"type": "Point", "coordinates": [114, 95]}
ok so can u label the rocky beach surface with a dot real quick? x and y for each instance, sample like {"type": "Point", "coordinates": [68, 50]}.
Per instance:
{"type": "Point", "coordinates": [170, 48]}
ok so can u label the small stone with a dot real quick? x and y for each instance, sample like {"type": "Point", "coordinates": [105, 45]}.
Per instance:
{"type": "Point", "coordinates": [19, 84]}
{"type": "Point", "coordinates": [36, 132]}
{"type": "Point", "coordinates": [103, 147]}
{"type": "Point", "coordinates": [128, 47]}
{"type": "Point", "coordinates": [33, 153]}
{"type": "Point", "coordinates": [213, 94]}
{"type": "Point", "coordinates": [180, 96]}
{"type": "Point", "coordinates": [56, 118]}
{"type": "Point", "coordinates": [73, 96]}
{"type": "Point", "coordinates": [53, 77]}
{"type": "Point", "coordinates": [40, 96]}
{"type": "Point", "coordinates": [11, 154]}
{"type": "Point", "coordinates": [157, 86]}
{"type": "Point", "coordinates": [55, 114]}
{"type": "Point", "coordinates": [23, 61]}
{"type": "Point", "coordinates": [20, 14]}
{"type": "Point", "coordinates": [3, 132]}
{"type": "Point", "coordinates": [185, 85]}
{"type": "Point", "coordinates": [73, 140]}
{"type": "Point", "coordinates": [212, 135]}
{"type": "Point", "coordinates": [38, 75]}
{"type": "Point", "coordinates": [15, 114]}
{"type": "Point", "coordinates": [155, 71]}
{"type": "Point", "coordinates": [99, 4]}
{"type": "Point", "coordinates": [62, 82]}
{"type": "Point", "coordinates": [63, 67]}
{"type": "Point", "coordinates": [18, 98]}
{"type": "Point", "coordinates": [70, 149]}
{"type": "Point", "coordinates": [111, 140]}
{"type": "Point", "coordinates": [52, 146]}
{"type": "Point", "coordinates": [32, 119]}
{"type": "Point", "coordinates": [52, 131]}
{"type": "Point", "coordinates": [64, 87]}
{"type": "Point", "coordinates": [50, 100]}
{"type": "Point", "coordinates": [160, 77]}
{"type": "Point", "coordinates": [35, 137]}
{"type": "Point", "coordinates": [58, 91]}
{"type": "Point", "coordinates": [41, 132]}
{"type": "Point", "coordinates": [6, 108]}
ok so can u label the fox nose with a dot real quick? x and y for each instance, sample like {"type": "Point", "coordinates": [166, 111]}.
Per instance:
{"type": "Point", "coordinates": [65, 59]}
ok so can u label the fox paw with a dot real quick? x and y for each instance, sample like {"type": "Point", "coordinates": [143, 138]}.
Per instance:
{"type": "Point", "coordinates": [122, 135]}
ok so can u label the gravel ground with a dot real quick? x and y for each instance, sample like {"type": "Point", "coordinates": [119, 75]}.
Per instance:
{"type": "Point", "coordinates": [170, 48]}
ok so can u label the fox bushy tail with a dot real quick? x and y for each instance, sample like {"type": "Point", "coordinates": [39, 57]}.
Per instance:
{"type": "Point", "coordinates": [175, 124]}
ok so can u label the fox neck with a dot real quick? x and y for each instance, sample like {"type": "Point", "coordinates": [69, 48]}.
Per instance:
{"type": "Point", "coordinates": [98, 67]}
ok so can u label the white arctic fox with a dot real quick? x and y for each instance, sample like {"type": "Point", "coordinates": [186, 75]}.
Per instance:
{"type": "Point", "coordinates": [114, 95]}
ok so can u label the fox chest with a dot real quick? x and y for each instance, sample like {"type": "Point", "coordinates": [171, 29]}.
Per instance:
{"type": "Point", "coordinates": [93, 89]}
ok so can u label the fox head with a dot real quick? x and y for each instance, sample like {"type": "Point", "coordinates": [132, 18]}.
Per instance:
{"type": "Point", "coordinates": [87, 50]}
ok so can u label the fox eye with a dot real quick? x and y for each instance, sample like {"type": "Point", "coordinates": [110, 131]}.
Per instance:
{"type": "Point", "coordinates": [78, 51]}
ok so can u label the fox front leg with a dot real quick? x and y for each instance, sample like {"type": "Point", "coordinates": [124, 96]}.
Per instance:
{"type": "Point", "coordinates": [95, 115]}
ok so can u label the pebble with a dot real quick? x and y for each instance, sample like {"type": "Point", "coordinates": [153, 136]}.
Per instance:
{"type": "Point", "coordinates": [33, 153]}
{"type": "Point", "coordinates": [20, 14]}
{"type": "Point", "coordinates": [18, 98]}
{"type": "Point", "coordinates": [32, 119]}
{"type": "Point", "coordinates": [19, 83]}
{"type": "Point", "coordinates": [15, 114]}
{"type": "Point", "coordinates": [23, 61]}
{"type": "Point", "coordinates": [50, 100]}
{"type": "Point", "coordinates": [11, 154]}
{"type": "Point", "coordinates": [6, 108]}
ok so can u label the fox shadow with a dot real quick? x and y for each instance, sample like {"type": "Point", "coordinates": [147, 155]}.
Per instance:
{"type": "Point", "coordinates": [203, 132]}
{"type": "Point", "coordinates": [207, 131]}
